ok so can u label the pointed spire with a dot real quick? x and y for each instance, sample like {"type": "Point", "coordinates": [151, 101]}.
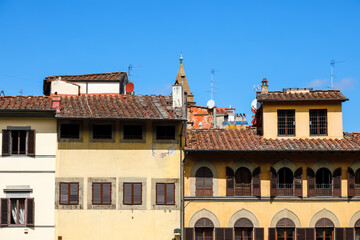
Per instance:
{"type": "Point", "coordinates": [181, 79]}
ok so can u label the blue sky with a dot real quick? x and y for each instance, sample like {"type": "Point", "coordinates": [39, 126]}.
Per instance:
{"type": "Point", "coordinates": [291, 43]}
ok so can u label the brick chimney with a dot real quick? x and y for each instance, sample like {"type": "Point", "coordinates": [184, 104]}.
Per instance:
{"type": "Point", "coordinates": [264, 86]}
{"type": "Point", "coordinates": [56, 102]}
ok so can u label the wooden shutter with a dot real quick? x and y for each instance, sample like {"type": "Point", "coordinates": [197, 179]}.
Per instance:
{"type": "Point", "coordinates": [189, 233]}
{"type": "Point", "coordinates": [351, 183]}
{"type": "Point", "coordinates": [30, 212]}
{"type": "Point", "coordinates": [339, 234]}
{"type": "Point", "coordinates": [298, 182]}
{"type": "Point", "coordinates": [349, 233]}
{"type": "Point", "coordinates": [137, 193]}
{"type": "Point", "coordinates": [311, 182]}
{"type": "Point", "coordinates": [74, 193]}
{"type": "Point", "coordinates": [170, 193]}
{"type": "Point", "coordinates": [6, 142]}
{"type": "Point", "coordinates": [64, 193]}
{"type": "Point", "coordinates": [256, 182]}
{"type": "Point", "coordinates": [5, 212]}
{"type": "Point", "coordinates": [273, 182]}
{"type": "Point", "coordinates": [96, 193]}
{"type": "Point", "coordinates": [310, 233]}
{"type": "Point", "coordinates": [160, 193]}
{"type": "Point", "coordinates": [31, 143]}
{"type": "Point", "coordinates": [228, 233]}
{"type": "Point", "coordinates": [258, 233]}
{"type": "Point", "coordinates": [127, 193]}
{"type": "Point", "coordinates": [272, 234]}
{"type": "Point", "coordinates": [301, 234]}
{"type": "Point", "coordinates": [106, 193]}
{"type": "Point", "coordinates": [230, 182]}
{"type": "Point", "coordinates": [219, 233]}
{"type": "Point", "coordinates": [337, 182]}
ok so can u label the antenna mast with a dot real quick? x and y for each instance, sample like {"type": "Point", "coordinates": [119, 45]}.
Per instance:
{"type": "Point", "coordinates": [332, 64]}
{"type": "Point", "coordinates": [212, 83]}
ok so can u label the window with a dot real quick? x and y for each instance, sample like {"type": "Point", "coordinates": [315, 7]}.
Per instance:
{"type": "Point", "coordinates": [165, 193]}
{"type": "Point", "coordinates": [70, 131]}
{"type": "Point", "coordinates": [165, 133]}
{"type": "Point", "coordinates": [21, 211]}
{"type": "Point", "coordinates": [318, 122]}
{"type": "Point", "coordinates": [243, 229]}
{"type": "Point", "coordinates": [204, 185]}
{"type": "Point", "coordinates": [204, 229]}
{"type": "Point", "coordinates": [324, 229]}
{"type": "Point", "coordinates": [357, 182]}
{"type": "Point", "coordinates": [102, 131]}
{"type": "Point", "coordinates": [133, 132]}
{"type": "Point", "coordinates": [286, 122]}
{"type": "Point", "coordinates": [69, 193]}
{"type": "Point", "coordinates": [323, 182]}
{"type": "Point", "coordinates": [132, 193]}
{"type": "Point", "coordinates": [101, 193]}
{"type": "Point", "coordinates": [243, 182]}
{"type": "Point", "coordinates": [285, 182]}
{"type": "Point", "coordinates": [285, 229]}
{"type": "Point", "coordinates": [18, 142]}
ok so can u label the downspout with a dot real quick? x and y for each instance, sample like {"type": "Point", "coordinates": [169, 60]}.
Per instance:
{"type": "Point", "coordinates": [182, 173]}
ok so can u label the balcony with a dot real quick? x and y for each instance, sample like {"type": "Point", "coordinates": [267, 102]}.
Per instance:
{"type": "Point", "coordinates": [357, 189]}
{"type": "Point", "coordinates": [285, 189]}
{"type": "Point", "coordinates": [324, 190]}
{"type": "Point", "coordinates": [243, 189]}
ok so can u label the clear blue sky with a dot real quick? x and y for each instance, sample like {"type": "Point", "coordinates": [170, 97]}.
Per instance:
{"type": "Point", "coordinates": [291, 43]}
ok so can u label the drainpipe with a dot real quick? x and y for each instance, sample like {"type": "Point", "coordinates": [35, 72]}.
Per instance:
{"type": "Point", "coordinates": [182, 173]}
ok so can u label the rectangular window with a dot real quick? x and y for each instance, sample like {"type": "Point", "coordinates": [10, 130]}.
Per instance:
{"type": "Point", "coordinates": [18, 142]}
{"type": "Point", "coordinates": [133, 132]}
{"type": "Point", "coordinates": [101, 193]}
{"type": "Point", "coordinates": [69, 193]}
{"type": "Point", "coordinates": [165, 193]}
{"type": "Point", "coordinates": [132, 193]}
{"type": "Point", "coordinates": [102, 131]}
{"type": "Point", "coordinates": [318, 122]}
{"type": "Point", "coordinates": [70, 131]}
{"type": "Point", "coordinates": [17, 211]}
{"type": "Point", "coordinates": [286, 122]}
{"type": "Point", "coordinates": [165, 133]}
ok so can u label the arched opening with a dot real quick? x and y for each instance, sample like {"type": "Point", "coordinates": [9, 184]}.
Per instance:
{"type": "Point", "coordinates": [243, 229]}
{"type": "Point", "coordinates": [357, 182]}
{"type": "Point", "coordinates": [243, 182]}
{"type": "Point", "coordinates": [324, 229]}
{"type": "Point", "coordinates": [285, 182]}
{"type": "Point", "coordinates": [204, 182]}
{"type": "Point", "coordinates": [230, 185]}
{"type": "Point", "coordinates": [204, 229]}
{"type": "Point", "coordinates": [285, 229]}
{"type": "Point", "coordinates": [323, 182]}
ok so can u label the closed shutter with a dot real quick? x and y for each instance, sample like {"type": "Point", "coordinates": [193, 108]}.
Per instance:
{"type": "Point", "coordinates": [31, 143]}
{"type": "Point", "coordinates": [298, 182]}
{"type": "Point", "coordinates": [189, 233]}
{"type": "Point", "coordinates": [259, 233]}
{"type": "Point", "coordinates": [229, 182]}
{"type": "Point", "coordinates": [96, 193]}
{"type": "Point", "coordinates": [4, 220]}
{"type": "Point", "coordinates": [106, 193]}
{"type": "Point", "coordinates": [170, 193]}
{"type": "Point", "coordinates": [310, 233]}
{"type": "Point", "coordinates": [301, 234]}
{"type": "Point", "coordinates": [349, 233]}
{"type": "Point", "coordinates": [337, 183]}
{"type": "Point", "coordinates": [311, 182]}
{"type": "Point", "coordinates": [219, 233]}
{"type": "Point", "coordinates": [64, 193]}
{"type": "Point", "coordinates": [256, 182]}
{"type": "Point", "coordinates": [74, 193]}
{"type": "Point", "coordinates": [160, 193]}
{"type": "Point", "coordinates": [127, 193]}
{"type": "Point", "coordinates": [339, 234]}
{"type": "Point", "coordinates": [6, 142]}
{"type": "Point", "coordinates": [273, 182]}
{"type": "Point", "coordinates": [351, 183]}
{"type": "Point", "coordinates": [137, 193]}
{"type": "Point", "coordinates": [228, 233]}
{"type": "Point", "coordinates": [272, 234]}
{"type": "Point", "coordinates": [30, 212]}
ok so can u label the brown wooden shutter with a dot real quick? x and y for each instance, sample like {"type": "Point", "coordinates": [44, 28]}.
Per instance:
{"type": "Point", "coordinates": [160, 193]}
{"type": "Point", "coordinates": [6, 142]}
{"type": "Point", "coordinates": [339, 234]}
{"type": "Point", "coordinates": [311, 182]}
{"type": "Point", "coordinates": [230, 182]}
{"type": "Point", "coordinates": [64, 193]}
{"type": "Point", "coordinates": [30, 212]}
{"type": "Point", "coordinates": [96, 193]}
{"type": "Point", "coordinates": [170, 193]}
{"type": "Point", "coordinates": [351, 183]}
{"type": "Point", "coordinates": [337, 182]}
{"type": "Point", "coordinates": [298, 182]}
{"type": "Point", "coordinates": [310, 233]}
{"type": "Point", "coordinates": [106, 193]}
{"type": "Point", "coordinates": [258, 233]}
{"type": "Point", "coordinates": [256, 182]}
{"type": "Point", "coordinates": [301, 234]}
{"type": "Point", "coordinates": [137, 193]}
{"type": "Point", "coordinates": [189, 233]}
{"type": "Point", "coordinates": [5, 212]}
{"type": "Point", "coordinates": [74, 193]}
{"type": "Point", "coordinates": [272, 234]}
{"type": "Point", "coordinates": [228, 233]}
{"type": "Point", "coordinates": [219, 233]}
{"type": "Point", "coordinates": [349, 233]}
{"type": "Point", "coordinates": [31, 143]}
{"type": "Point", "coordinates": [273, 182]}
{"type": "Point", "coordinates": [127, 193]}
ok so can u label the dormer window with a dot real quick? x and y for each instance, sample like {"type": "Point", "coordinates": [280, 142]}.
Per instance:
{"type": "Point", "coordinates": [286, 123]}
{"type": "Point", "coordinates": [318, 122]}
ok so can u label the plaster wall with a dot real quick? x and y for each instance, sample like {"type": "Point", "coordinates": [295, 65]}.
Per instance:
{"type": "Point", "coordinates": [62, 87]}
{"type": "Point", "coordinates": [105, 87]}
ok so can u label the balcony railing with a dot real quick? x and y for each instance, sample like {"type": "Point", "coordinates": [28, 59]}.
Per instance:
{"type": "Point", "coordinates": [285, 189]}
{"type": "Point", "coordinates": [323, 189]}
{"type": "Point", "coordinates": [357, 189]}
{"type": "Point", "coordinates": [243, 189]}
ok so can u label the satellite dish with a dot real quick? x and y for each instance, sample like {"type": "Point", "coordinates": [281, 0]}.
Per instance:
{"type": "Point", "coordinates": [210, 104]}
{"type": "Point", "coordinates": [255, 105]}
{"type": "Point", "coordinates": [129, 87]}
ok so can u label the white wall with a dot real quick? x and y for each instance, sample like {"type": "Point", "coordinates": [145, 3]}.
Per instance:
{"type": "Point", "coordinates": [106, 87]}
{"type": "Point", "coordinates": [62, 87]}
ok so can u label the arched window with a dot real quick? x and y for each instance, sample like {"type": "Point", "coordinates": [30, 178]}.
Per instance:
{"type": "Point", "coordinates": [229, 182]}
{"type": "Point", "coordinates": [204, 182]}
{"type": "Point", "coordinates": [243, 182]}
{"type": "Point", "coordinates": [324, 229]}
{"type": "Point", "coordinates": [323, 182]}
{"type": "Point", "coordinates": [243, 229]}
{"type": "Point", "coordinates": [285, 180]}
{"type": "Point", "coordinates": [204, 229]}
{"type": "Point", "coordinates": [357, 182]}
{"type": "Point", "coordinates": [357, 230]}
{"type": "Point", "coordinates": [285, 229]}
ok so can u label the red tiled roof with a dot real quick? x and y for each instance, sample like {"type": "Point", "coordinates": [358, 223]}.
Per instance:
{"type": "Point", "coordinates": [25, 103]}
{"type": "Point", "coordinates": [111, 76]}
{"type": "Point", "coordinates": [119, 106]}
{"type": "Point", "coordinates": [247, 140]}
{"type": "Point", "coordinates": [330, 95]}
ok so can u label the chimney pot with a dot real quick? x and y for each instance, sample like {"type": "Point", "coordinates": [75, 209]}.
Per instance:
{"type": "Point", "coordinates": [56, 102]}
{"type": "Point", "coordinates": [264, 86]}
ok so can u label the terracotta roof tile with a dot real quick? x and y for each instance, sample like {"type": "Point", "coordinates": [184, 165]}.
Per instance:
{"type": "Point", "coordinates": [26, 103]}
{"type": "Point", "coordinates": [318, 95]}
{"type": "Point", "coordinates": [110, 76]}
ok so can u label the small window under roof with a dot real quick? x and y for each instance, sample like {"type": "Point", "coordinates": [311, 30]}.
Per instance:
{"type": "Point", "coordinates": [70, 131]}
{"type": "Point", "coordinates": [103, 131]}
{"type": "Point", "coordinates": [133, 132]}
{"type": "Point", "coordinates": [165, 132]}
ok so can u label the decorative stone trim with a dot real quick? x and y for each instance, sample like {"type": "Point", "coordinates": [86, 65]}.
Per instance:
{"type": "Point", "coordinates": [204, 213]}
{"type": "Point", "coordinates": [285, 213]}
{"type": "Point", "coordinates": [121, 204]}
{"type": "Point", "coordinates": [243, 213]}
{"type": "Point", "coordinates": [355, 166]}
{"type": "Point", "coordinates": [323, 164]}
{"type": "Point", "coordinates": [81, 193]}
{"type": "Point", "coordinates": [324, 213]}
{"type": "Point", "coordinates": [113, 193]}
{"type": "Point", "coordinates": [243, 163]}
{"type": "Point", "coordinates": [354, 218]}
{"type": "Point", "coordinates": [196, 166]}
{"type": "Point", "coordinates": [285, 163]}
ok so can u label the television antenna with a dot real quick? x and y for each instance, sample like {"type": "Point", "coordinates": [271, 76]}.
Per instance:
{"type": "Point", "coordinates": [212, 71]}
{"type": "Point", "coordinates": [332, 64]}
{"type": "Point", "coordinates": [130, 69]}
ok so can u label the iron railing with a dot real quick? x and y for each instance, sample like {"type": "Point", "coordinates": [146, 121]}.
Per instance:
{"type": "Point", "coordinates": [284, 189]}
{"type": "Point", "coordinates": [243, 189]}
{"type": "Point", "coordinates": [323, 189]}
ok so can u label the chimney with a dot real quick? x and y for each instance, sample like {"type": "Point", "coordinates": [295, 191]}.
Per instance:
{"type": "Point", "coordinates": [56, 102]}
{"type": "Point", "coordinates": [264, 86]}
{"type": "Point", "coordinates": [177, 95]}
